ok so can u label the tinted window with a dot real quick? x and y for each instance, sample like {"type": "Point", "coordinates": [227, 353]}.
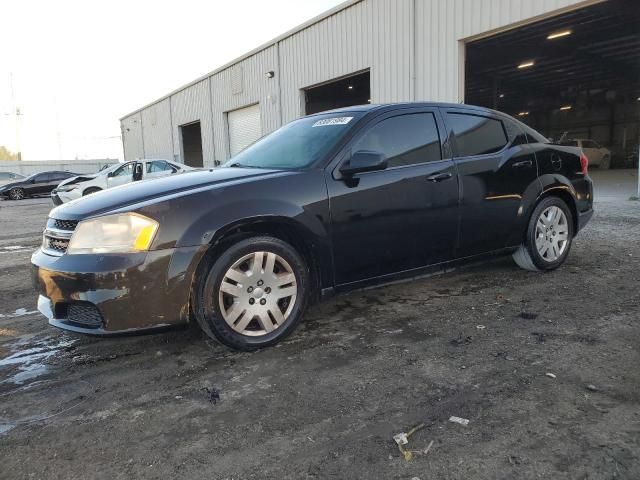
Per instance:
{"type": "Point", "coordinates": [476, 135]}
{"type": "Point", "coordinates": [589, 144]}
{"type": "Point", "coordinates": [404, 140]}
{"type": "Point", "coordinates": [42, 178]}
{"type": "Point", "coordinates": [126, 169]}
{"type": "Point", "coordinates": [59, 176]}
{"type": "Point", "coordinates": [516, 135]}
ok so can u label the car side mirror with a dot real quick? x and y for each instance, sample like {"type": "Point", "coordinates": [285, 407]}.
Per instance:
{"type": "Point", "coordinates": [364, 161]}
{"type": "Point", "coordinates": [110, 174]}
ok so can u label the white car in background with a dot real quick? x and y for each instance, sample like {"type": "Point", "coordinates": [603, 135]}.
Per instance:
{"type": "Point", "coordinates": [113, 176]}
{"type": "Point", "coordinates": [598, 155]}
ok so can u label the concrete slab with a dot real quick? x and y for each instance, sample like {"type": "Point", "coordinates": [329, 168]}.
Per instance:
{"type": "Point", "coordinates": [614, 185]}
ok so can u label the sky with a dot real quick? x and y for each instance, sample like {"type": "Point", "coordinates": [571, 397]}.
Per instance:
{"type": "Point", "coordinates": [76, 67]}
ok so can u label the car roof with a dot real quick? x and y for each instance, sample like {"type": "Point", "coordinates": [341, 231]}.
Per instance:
{"type": "Point", "coordinates": [400, 105]}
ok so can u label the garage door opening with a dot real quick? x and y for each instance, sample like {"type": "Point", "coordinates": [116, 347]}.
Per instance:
{"type": "Point", "coordinates": [353, 90]}
{"type": "Point", "coordinates": [191, 136]}
{"type": "Point", "coordinates": [245, 127]}
{"type": "Point", "coordinates": [573, 76]}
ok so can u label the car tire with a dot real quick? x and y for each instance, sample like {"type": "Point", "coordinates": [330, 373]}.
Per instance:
{"type": "Point", "coordinates": [605, 163]}
{"type": "Point", "coordinates": [16, 194]}
{"type": "Point", "coordinates": [247, 305]}
{"type": "Point", "coordinates": [90, 190]}
{"type": "Point", "coordinates": [548, 237]}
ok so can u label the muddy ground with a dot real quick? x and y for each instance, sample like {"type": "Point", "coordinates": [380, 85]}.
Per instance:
{"type": "Point", "coordinates": [477, 343]}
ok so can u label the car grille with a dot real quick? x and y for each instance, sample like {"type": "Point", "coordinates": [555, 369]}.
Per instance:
{"type": "Point", "coordinates": [84, 314]}
{"type": "Point", "coordinates": [65, 224]}
{"type": "Point", "coordinates": [57, 235]}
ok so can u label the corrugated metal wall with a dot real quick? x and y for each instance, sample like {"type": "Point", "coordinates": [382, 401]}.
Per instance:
{"type": "Point", "coordinates": [242, 85]}
{"type": "Point", "coordinates": [156, 133]}
{"type": "Point", "coordinates": [132, 136]}
{"type": "Point", "coordinates": [413, 48]}
{"type": "Point", "coordinates": [191, 105]}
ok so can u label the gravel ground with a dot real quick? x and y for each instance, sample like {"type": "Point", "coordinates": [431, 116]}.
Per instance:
{"type": "Point", "coordinates": [544, 367]}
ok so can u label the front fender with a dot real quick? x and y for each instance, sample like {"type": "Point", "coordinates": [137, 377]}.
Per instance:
{"type": "Point", "coordinates": [216, 222]}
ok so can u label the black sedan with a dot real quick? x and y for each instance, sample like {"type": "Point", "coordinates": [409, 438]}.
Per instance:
{"type": "Point", "coordinates": [328, 203]}
{"type": "Point", "coordinates": [34, 185]}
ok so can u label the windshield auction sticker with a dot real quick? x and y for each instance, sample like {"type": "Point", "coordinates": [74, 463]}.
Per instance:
{"type": "Point", "coordinates": [332, 121]}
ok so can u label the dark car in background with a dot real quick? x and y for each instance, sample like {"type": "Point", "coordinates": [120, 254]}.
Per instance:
{"type": "Point", "coordinates": [34, 185]}
{"type": "Point", "coordinates": [328, 203]}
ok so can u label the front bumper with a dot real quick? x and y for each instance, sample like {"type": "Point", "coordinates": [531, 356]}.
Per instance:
{"type": "Point", "coordinates": [59, 197]}
{"type": "Point", "coordinates": [55, 198]}
{"type": "Point", "coordinates": [115, 294]}
{"type": "Point", "coordinates": [583, 218]}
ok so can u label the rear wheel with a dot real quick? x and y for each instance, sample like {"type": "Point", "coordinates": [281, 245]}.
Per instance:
{"type": "Point", "coordinates": [16, 194]}
{"type": "Point", "coordinates": [605, 163]}
{"type": "Point", "coordinates": [253, 295]}
{"type": "Point", "coordinates": [548, 238]}
{"type": "Point", "coordinates": [90, 190]}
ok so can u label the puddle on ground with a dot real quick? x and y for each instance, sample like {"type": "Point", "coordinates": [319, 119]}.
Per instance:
{"type": "Point", "coordinates": [5, 427]}
{"type": "Point", "coordinates": [14, 248]}
{"type": "Point", "coordinates": [31, 362]}
{"type": "Point", "coordinates": [20, 312]}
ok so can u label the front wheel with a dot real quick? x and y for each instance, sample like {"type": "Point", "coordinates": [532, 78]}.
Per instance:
{"type": "Point", "coordinates": [16, 194]}
{"type": "Point", "coordinates": [548, 238]}
{"type": "Point", "coordinates": [253, 295]}
{"type": "Point", "coordinates": [605, 163]}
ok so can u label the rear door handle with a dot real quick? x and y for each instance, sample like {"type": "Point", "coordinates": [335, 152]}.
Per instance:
{"type": "Point", "coordinates": [439, 177]}
{"type": "Point", "coordinates": [523, 163]}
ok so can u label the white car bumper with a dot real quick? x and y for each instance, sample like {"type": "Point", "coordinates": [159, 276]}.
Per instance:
{"type": "Point", "coordinates": [64, 197]}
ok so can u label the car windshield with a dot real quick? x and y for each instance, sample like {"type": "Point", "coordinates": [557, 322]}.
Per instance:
{"type": "Point", "coordinates": [298, 144]}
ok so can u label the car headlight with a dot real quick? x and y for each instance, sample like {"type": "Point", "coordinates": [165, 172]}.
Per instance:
{"type": "Point", "coordinates": [120, 233]}
{"type": "Point", "coordinates": [66, 188]}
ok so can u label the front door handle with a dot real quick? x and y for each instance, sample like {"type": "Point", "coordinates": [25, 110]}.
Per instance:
{"type": "Point", "coordinates": [523, 163]}
{"type": "Point", "coordinates": [439, 177]}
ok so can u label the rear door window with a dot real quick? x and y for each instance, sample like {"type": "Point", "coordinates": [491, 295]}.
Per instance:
{"type": "Point", "coordinates": [58, 176]}
{"type": "Point", "coordinates": [476, 135]}
{"type": "Point", "coordinates": [404, 140]}
{"type": "Point", "coordinates": [158, 166]}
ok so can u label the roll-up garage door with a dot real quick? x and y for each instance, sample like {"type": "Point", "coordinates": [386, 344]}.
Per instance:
{"type": "Point", "coordinates": [244, 128]}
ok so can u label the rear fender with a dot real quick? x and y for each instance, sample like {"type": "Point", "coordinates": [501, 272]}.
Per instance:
{"type": "Point", "coordinates": [559, 186]}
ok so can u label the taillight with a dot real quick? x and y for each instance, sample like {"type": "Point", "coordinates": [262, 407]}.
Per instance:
{"type": "Point", "coordinates": [584, 163]}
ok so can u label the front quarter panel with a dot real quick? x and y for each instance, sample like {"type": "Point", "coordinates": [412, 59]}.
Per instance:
{"type": "Point", "coordinates": [203, 217]}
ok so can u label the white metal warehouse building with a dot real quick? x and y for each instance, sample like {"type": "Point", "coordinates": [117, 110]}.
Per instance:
{"type": "Point", "coordinates": [380, 51]}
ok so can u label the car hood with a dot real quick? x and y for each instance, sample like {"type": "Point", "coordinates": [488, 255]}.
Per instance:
{"type": "Point", "coordinates": [8, 186]}
{"type": "Point", "coordinates": [78, 179]}
{"type": "Point", "coordinates": [135, 193]}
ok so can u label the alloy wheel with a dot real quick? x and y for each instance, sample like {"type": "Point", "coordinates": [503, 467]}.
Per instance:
{"type": "Point", "coordinates": [552, 234]}
{"type": "Point", "coordinates": [16, 194]}
{"type": "Point", "coordinates": [257, 293]}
